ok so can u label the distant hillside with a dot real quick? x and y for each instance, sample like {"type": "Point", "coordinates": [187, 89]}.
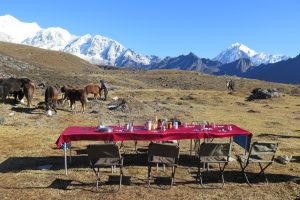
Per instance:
{"type": "Point", "coordinates": [236, 68]}
{"type": "Point", "coordinates": [283, 72]}
{"type": "Point", "coordinates": [54, 60]}
{"type": "Point", "coordinates": [42, 65]}
{"type": "Point", "coordinates": [187, 62]}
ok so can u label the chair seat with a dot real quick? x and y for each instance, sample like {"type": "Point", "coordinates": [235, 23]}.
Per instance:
{"type": "Point", "coordinates": [107, 162]}
{"type": "Point", "coordinates": [252, 159]}
{"type": "Point", "coordinates": [213, 159]}
{"type": "Point", "coordinates": [163, 160]}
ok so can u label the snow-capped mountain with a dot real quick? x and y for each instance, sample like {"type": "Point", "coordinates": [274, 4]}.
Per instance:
{"type": "Point", "coordinates": [263, 58]}
{"type": "Point", "coordinates": [237, 51]}
{"type": "Point", "coordinates": [13, 30]}
{"type": "Point", "coordinates": [54, 38]}
{"type": "Point", "coordinates": [96, 49]}
{"type": "Point", "coordinates": [102, 50]}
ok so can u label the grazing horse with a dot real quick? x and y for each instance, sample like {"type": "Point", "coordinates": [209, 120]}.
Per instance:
{"type": "Point", "coordinates": [75, 95]}
{"type": "Point", "coordinates": [18, 87]}
{"type": "Point", "coordinates": [65, 93]}
{"type": "Point", "coordinates": [93, 89]}
{"type": "Point", "coordinates": [51, 98]}
{"type": "Point", "coordinates": [230, 85]}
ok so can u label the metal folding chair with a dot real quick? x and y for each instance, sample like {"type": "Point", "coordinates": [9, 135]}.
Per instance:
{"type": "Point", "coordinates": [105, 155]}
{"type": "Point", "coordinates": [218, 153]}
{"type": "Point", "coordinates": [261, 153]}
{"type": "Point", "coordinates": [166, 154]}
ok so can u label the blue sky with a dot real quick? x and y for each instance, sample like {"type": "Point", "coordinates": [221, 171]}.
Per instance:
{"type": "Point", "coordinates": [172, 27]}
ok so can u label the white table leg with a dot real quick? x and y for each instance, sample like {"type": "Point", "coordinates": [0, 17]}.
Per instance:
{"type": "Point", "coordinates": [65, 156]}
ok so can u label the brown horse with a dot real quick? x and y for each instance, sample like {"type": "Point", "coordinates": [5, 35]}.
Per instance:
{"type": "Point", "coordinates": [29, 91]}
{"type": "Point", "coordinates": [51, 98]}
{"type": "Point", "coordinates": [75, 95]}
{"type": "Point", "coordinates": [93, 89]}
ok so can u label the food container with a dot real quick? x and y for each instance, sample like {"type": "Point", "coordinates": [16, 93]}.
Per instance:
{"type": "Point", "coordinates": [175, 124]}
{"type": "Point", "coordinates": [170, 125]}
{"type": "Point", "coordinates": [149, 125]}
{"type": "Point", "coordinates": [102, 128]}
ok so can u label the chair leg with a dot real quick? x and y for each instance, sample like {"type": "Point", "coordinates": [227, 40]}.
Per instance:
{"type": "Point", "coordinates": [135, 144]}
{"type": "Point", "coordinates": [98, 177]}
{"type": "Point", "coordinates": [221, 169]}
{"type": "Point", "coordinates": [222, 173]}
{"type": "Point", "coordinates": [70, 154]}
{"type": "Point", "coordinates": [196, 145]}
{"type": "Point", "coordinates": [200, 177]}
{"type": "Point", "coordinates": [262, 169]}
{"type": "Point", "coordinates": [149, 175]}
{"type": "Point", "coordinates": [121, 176]}
{"type": "Point", "coordinates": [122, 146]}
{"type": "Point", "coordinates": [191, 147]}
{"type": "Point", "coordinates": [173, 175]}
{"type": "Point", "coordinates": [243, 167]}
{"type": "Point", "coordinates": [198, 174]}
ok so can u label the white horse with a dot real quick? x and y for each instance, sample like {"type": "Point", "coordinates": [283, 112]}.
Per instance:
{"type": "Point", "coordinates": [230, 85]}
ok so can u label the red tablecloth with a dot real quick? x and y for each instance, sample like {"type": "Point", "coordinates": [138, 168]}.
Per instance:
{"type": "Point", "coordinates": [77, 133]}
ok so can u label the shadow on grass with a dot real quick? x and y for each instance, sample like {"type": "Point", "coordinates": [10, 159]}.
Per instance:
{"type": "Point", "coordinates": [60, 184]}
{"type": "Point", "coordinates": [63, 184]}
{"type": "Point", "coordinates": [277, 136]}
{"type": "Point", "coordinates": [234, 176]}
{"type": "Point", "coordinates": [296, 159]}
{"type": "Point", "coordinates": [17, 164]}
{"type": "Point", "coordinates": [33, 110]}
{"type": "Point", "coordinates": [186, 162]}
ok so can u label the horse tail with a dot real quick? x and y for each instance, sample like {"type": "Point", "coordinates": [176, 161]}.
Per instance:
{"type": "Point", "coordinates": [29, 90]}
{"type": "Point", "coordinates": [48, 97]}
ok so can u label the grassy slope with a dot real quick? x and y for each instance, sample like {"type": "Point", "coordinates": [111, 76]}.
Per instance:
{"type": "Point", "coordinates": [28, 136]}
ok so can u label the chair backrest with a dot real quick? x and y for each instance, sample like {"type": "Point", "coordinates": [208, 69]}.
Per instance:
{"type": "Point", "coordinates": [97, 151]}
{"type": "Point", "coordinates": [263, 149]}
{"type": "Point", "coordinates": [167, 153]}
{"type": "Point", "coordinates": [215, 149]}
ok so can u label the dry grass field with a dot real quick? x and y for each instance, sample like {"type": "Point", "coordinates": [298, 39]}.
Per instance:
{"type": "Point", "coordinates": [28, 136]}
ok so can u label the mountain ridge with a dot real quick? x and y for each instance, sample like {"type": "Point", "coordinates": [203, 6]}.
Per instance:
{"type": "Point", "coordinates": [237, 51]}
{"type": "Point", "coordinates": [103, 50]}
{"type": "Point", "coordinates": [236, 60]}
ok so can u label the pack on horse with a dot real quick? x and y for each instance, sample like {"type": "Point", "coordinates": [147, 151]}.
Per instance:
{"type": "Point", "coordinates": [75, 95]}
{"type": "Point", "coordinates": [94, 89]}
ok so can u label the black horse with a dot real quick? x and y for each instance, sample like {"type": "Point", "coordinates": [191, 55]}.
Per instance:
{"type": "Point", "coordinates": [15, 87]}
